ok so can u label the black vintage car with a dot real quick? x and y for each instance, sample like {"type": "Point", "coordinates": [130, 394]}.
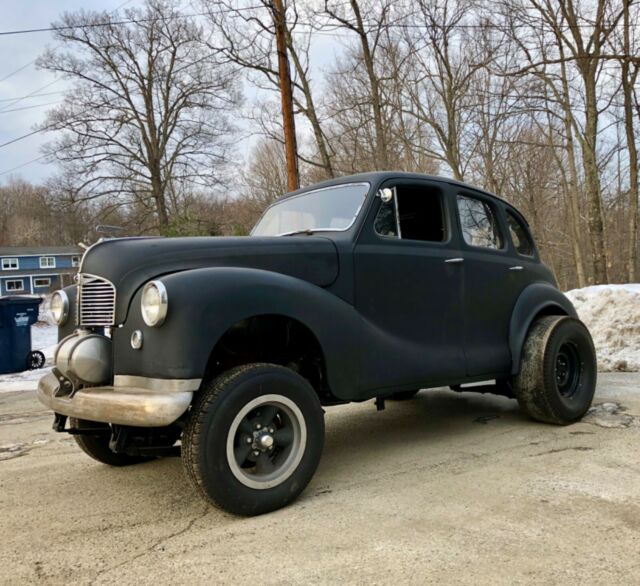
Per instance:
{"type": "Point", "coordinates": [367, 287]}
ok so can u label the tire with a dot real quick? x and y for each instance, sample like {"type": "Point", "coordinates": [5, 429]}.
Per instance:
{"type": "Point", "coordinates": [97, 446]}
{"type": "Point", "coordinates": [226, 450]}
{"type": "Point", "coordinates": [404, 395]}
{"type": "Point", "coordinates": [558, 373]}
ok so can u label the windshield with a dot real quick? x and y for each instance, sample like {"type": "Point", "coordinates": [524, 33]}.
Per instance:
{"type": "Point", "coordinates": [332, 208]}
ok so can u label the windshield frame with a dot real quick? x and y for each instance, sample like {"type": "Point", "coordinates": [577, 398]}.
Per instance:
{"type": "Point", "coordinates": [358, 213]}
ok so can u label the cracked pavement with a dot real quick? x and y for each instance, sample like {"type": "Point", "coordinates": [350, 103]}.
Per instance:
{"type": "Point", "coordinates": [453, 488]}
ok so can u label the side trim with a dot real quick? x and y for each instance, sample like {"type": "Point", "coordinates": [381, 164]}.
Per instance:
{"type": "Point", "coordinates": [157, 385]}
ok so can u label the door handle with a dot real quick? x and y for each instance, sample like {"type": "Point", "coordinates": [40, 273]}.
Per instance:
{"type": "Point", "coordinates": [458, 259]}
{"type": "Point", "coordinates": [516, 268]}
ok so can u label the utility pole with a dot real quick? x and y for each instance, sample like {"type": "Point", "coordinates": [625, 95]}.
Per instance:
{"type": "Point", "coordinates": [288, 122]}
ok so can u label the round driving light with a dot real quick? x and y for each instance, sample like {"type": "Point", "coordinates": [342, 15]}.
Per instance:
{"type": "Point", "coordinates": [59, 308]}
{"type": "Point", "coordinates": [136, 340]}
{"type": "Point", "coordinates": [154, 303]}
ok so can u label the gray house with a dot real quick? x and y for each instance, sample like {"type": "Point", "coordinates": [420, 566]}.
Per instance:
{"type": "Point", "coordinates": [37, 269]}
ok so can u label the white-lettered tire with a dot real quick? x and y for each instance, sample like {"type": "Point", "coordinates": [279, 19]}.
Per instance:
{"type": "Point", "coordinates": [558, 373]}
{"type": "Point", "coordinates": [254, 438]}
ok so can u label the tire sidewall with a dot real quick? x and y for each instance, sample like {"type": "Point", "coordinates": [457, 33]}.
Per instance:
{"type": "Point", "coordinates": [217, 478]}
{"type": "Point", "coordinates": [570, 331]}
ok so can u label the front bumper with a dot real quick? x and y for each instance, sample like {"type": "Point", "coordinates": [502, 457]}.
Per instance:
{"type": "Point", "coordinates": [146, 403]}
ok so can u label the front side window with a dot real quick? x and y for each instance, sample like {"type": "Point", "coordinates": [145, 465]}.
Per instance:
{"type": "Point", "coordinates": [519, 235]}
{"type": "Point", "coordinates": [10, 264]}
{"type": "Point", "coordinates": [47, 262]}
{"type": "Point", "coordinates": [17, 285]}
{"type": "Point", "coordinates": [330, 209]}
{"type": "Point", "coordinates": [414, 213]}
{"type": "Point", "coordinates": [478, 222]}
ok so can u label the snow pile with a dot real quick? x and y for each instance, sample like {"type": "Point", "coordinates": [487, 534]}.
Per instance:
{"type": "Point", "coordinates": [612, 314]}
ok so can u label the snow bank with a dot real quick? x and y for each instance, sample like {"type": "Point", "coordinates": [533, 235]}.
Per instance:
{"type": "Point", "coordinates": [612, 314]}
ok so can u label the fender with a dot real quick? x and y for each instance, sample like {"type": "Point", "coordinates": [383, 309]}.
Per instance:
{"type": "Point", "coordinates": [205, 303]}
{"type": "Point", "coordinates": [535, 299]}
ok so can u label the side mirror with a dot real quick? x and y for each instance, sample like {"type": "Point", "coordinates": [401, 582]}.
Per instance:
{"type": "Point", "coordinates": [386, 194]}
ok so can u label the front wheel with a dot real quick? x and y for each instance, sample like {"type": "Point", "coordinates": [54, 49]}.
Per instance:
{"type": "Point", "coordinates": [254, 438]}
{"type": "Point", "coordinates": [557, 377]}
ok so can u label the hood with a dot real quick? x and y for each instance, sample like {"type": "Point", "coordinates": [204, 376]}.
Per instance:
{"type": "Point", "coordinates": [130, 262]}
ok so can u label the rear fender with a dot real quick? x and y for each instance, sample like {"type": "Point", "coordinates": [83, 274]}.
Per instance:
{"type": "Point", "coordinates": [536, 299]}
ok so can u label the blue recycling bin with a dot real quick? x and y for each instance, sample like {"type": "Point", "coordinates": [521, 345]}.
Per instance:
{"type": "Point", "coordinates": [17, 315]}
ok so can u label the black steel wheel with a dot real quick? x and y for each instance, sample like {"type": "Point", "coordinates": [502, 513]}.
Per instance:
{"type": "Point", "coordinates": [558, 374]}
{"type": "Point", "coordinates": [254, 438]}
{"type": "Point", "coordinates": [35, 360]}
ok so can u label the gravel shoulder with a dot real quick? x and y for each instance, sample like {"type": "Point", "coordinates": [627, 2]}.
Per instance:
{"type": "Point", "coordinates": [453, 488]}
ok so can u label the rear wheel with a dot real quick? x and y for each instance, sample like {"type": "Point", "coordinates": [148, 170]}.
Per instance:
{"type": "Point", "coordinates": [96, 444]}
{"type": "Point", "coordinates": [254, 438]}
{"type": "Point", "coordinates": [557, 377]}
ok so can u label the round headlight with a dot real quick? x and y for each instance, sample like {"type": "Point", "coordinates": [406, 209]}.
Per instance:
{"type": "Point", "coordinates": [59, 308]}
{"type": "Point", "coordinates": [154, 303]}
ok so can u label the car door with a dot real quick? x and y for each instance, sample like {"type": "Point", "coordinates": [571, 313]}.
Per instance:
{"type": "Point", "coordinates": [492, 283]}
{"type": "Point", "coordinates": [408, 290]}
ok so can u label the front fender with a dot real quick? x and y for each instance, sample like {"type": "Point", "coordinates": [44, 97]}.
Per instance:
{"type": "Point", "coordinates": [205, 303]}
{"type": "Point", "coordinates": [535, 299]}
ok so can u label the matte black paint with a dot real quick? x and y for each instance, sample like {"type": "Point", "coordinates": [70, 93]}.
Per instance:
{"type": "Point", "coordinates": [388, 314]}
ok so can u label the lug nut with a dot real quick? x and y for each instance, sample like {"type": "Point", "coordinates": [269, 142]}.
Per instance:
{"type": "Point", "coordinates": [258, 426]}
{"type": "Point", "coordinates": [256, 453]}
{"type": "Point", "coordinates": [249, 440]}
{"type": "Point", "coordinates": [271, 430]}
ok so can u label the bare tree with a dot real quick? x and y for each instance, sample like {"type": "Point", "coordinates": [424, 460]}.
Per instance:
{"type": "Point", "coordinates": [149, 104]}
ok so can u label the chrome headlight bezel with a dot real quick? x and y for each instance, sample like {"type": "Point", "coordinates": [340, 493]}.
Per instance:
{"type": "Point", "coordinates": [154, 317]}
{"type": "Point", "coordinates": [60, 313]}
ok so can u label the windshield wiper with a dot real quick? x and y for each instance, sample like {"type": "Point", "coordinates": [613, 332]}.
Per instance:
{"type": "Point", "coordinates": [307, 231]}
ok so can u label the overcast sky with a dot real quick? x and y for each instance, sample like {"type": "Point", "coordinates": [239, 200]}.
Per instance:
{"type": "Point", "coordinates": [19, 50]}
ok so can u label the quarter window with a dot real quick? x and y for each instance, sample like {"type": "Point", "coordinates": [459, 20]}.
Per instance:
{"type": "Point", "coordinates": [17, 285]}
{"type": "Point", "coordinates": [479, 225]}
{"type": "Point", "coordinates": [47, 262]}
{"type": "Point", "coordinates": [10, 264]}
{"type": "Point", "coordinates": [519, 235]}
{"type": "Point", "coordinates": [414, 213]}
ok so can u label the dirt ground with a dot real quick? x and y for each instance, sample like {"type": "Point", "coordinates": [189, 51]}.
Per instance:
{"type": "Point", "coordinates": [447, 488]}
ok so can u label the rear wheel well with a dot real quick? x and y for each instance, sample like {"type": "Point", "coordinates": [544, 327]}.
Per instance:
{"type": "Point", "coordinates": [274, 339]}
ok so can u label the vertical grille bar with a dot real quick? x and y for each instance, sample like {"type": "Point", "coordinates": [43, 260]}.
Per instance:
{"type": "Point", "coordinates": [96, 301]}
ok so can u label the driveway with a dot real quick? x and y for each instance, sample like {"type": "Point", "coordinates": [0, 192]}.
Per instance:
{"type": "Point", "coordinates": [446, 488]}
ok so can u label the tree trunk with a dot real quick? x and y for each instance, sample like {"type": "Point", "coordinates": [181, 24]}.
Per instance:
{"type": "Point", "coordinates": [288, 121]}
{"type": "Point", "coordinates": [627, 89]}
{"type": "Point", "coordinates": [382, 161]}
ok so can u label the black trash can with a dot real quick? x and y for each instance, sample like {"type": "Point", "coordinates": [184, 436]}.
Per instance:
{"type": "Point", "coordinates": [17, 315]}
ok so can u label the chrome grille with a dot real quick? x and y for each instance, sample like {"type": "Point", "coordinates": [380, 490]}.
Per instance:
{"type": "Point", "coordinates": [96, 301]}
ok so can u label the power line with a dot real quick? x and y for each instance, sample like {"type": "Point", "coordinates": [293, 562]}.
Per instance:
{"type": "Point", "coordinates": [22, 165]}
{"type": "Point", "coordinates": [31, 96]}
{"type": "Point", "coordinates": [29, 107]}
{"type": "Point", "coordinates": [17, 70]}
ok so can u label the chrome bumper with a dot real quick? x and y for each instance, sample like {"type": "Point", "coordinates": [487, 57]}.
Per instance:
{"type": "Point", "coordinates": [150, 403]}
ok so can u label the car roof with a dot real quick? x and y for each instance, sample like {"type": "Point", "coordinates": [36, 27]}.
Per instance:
{"type": "Point", "coordinates": [380, 176]}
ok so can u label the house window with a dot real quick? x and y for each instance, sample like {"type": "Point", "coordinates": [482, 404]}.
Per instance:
{"type": "Point", "coordinates": [42, 282]}
{"type": "Point", "coordinates": [17, 285]}
{"type": "Point", "coordinates": [10, 264]}
{"type": "Point", "coordinates": [75, 261]}
{"type": "Point", "coordinates": [47, 262]}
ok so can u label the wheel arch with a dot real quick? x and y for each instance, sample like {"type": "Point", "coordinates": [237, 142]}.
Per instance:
{"type": "Point", "coordinates": [205, 305]}
{"type": "Point", "coordinates": [536, 300]}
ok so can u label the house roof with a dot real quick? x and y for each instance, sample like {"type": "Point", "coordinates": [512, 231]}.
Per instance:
{"type": "Point", "coordinates": [39, 250]}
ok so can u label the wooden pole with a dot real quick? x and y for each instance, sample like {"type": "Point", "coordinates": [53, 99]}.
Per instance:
{"type": "Point", "coordinates": [288, 121]}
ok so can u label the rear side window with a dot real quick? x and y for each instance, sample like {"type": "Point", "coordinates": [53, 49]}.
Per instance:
{"type": "Point", "coordinates": [519, 235]}
{"type": "Point", "coordinates": [414, 213]}
{"type": "Point", "coordinates": [479, 224]}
